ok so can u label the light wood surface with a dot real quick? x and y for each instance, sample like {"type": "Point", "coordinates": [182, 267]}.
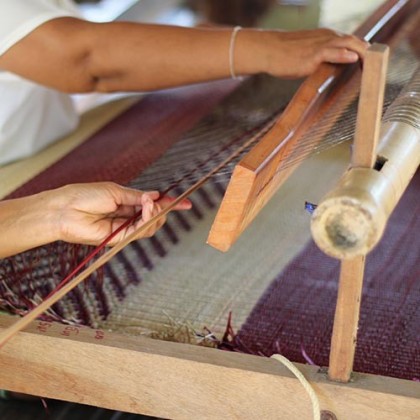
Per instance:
{"type": "Point", "coordinates": [346, 319]}
{"type": "Point", "coordinates": [180, 381]}
{"type": "Point", "coordinates": [371, 101]}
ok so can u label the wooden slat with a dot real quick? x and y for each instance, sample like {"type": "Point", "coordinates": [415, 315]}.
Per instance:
{"type": "Point", "coordinates": [257, 177]}
{"type": "Point", "coordinates": [370, 106]}
{"type": "Point", "coordinates": [181, 381]}
{"type": "Point", "coordinates": [346, 319]}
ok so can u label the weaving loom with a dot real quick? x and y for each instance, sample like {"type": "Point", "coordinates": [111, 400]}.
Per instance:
{"type": "Point", "coordinates": [277, 306]}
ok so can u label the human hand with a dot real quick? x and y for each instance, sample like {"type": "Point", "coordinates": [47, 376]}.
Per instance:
{"type": "Point", "coordinates": [88, 213]}
{"type": "Point", "coordinates": [294, 54]}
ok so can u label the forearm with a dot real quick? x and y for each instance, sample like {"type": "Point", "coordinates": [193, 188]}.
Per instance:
{"type": "Point", "coordinates": [156, 57]}
{"type": "Point", "coordinates": [77, 56]}
{"type": "Point", "coordinates": [25, 223]}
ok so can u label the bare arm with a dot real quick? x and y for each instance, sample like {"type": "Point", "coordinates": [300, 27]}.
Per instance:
{"type": "Point", "coordinates": [73, 55]}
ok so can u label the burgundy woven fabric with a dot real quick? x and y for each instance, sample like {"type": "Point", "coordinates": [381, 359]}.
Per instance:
{"type": "Point", "coordinates": [128, 144]}
{"type": "Point", "coordinates": [295, 315]}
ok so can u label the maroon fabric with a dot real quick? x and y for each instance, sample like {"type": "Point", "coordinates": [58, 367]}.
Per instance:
{"type": "Point", "coordinates": [295, 315]}
{"type": "Point", "coordinates": [128, 144]}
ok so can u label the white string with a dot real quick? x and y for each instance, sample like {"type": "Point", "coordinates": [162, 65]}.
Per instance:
{"type": "Point", "coordinates": [235, 31]}
{"type": "Point", "coordinates": [308, 388]}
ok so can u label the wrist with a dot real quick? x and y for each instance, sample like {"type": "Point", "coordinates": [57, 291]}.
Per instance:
{"type": "Point", "coordinates": [38, 220]}
{"type": "Point", "coordinates": [47, 210]}
{"type": "Point", "coordinates": [251, 55]}
{"type": "Point", "coordinates": [25, 223]}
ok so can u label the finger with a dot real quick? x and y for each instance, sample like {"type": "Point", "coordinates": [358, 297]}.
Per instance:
{"type": "Point", "coordinates": [153, 195]}
{"type": "Point", "coordinates": [131, 197]}
{"type": "Point", "coordinates": [150, 212]}
{"type": "Point", "coordinates": [147, 208]}
{"type": "Point", "coordinates": [339, 56]}
{"type": "Point", "coordinates": [166, 201]}
{"type": "Point", "coordinates": [125, 211]}
{"type": "Point", "coordinates": [162, 219]}
{"type": "Point", "coordinates": [157, 209]}
{"type": "Point", "coordinates": [351, 43]}
{"type": "Point", "coordinates": [116, 224]}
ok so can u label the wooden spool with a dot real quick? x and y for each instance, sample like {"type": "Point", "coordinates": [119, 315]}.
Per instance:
{"type": "Point", "coordinates": [351, 219]}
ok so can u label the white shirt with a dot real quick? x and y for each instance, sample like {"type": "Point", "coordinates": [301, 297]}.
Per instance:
{"type": "Point", "coordinates": [31, 116]}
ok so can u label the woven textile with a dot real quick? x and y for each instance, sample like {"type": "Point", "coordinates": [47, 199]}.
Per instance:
{"type": "Point", "coordinates": [28, 277]}
{"type": "Point", "coordinates": [174, 277]}
{"type": "Point", "coordinates": [132, 141]}
{"type": "Point", "coordinates": [295, 314]}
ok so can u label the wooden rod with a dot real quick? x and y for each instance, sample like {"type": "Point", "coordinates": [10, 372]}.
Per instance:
{"type": "Point", "coordinates": [346, 319]}
{"type": "Point", "coordinates": [370, 106]}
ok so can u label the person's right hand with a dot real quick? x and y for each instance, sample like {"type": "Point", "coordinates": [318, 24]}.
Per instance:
{"type": "Point", "coordinates": [294, 54]}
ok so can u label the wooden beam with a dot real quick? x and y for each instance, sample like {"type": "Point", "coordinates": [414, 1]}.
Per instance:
{"type": "Point", "coordinates": [370, 106]}
{"type": "Point", "coordinates": [346, 319]}
{"type": "Point", "coordinates": [181, 381]}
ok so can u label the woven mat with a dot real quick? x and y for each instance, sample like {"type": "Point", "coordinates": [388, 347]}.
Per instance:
{"type": "Point", "coordinates": [295, 314]}
{"type": "Point", "coordinates": [98, 158]}
{"type": "Point", "coordinates": [198, 285]}
{"type": "Point", "coordinates": [174, 279]}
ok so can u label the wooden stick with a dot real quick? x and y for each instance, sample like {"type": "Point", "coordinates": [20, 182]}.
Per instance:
{"type": "Point", "coordinates": [47, 303]}
{"type": "Point", "coordinates": [370, 106]}
{"type": "Point", "coordinates": [346, 320]}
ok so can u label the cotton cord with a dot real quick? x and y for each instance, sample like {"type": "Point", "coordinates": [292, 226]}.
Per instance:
{"type": "Point", "coordinates": [308, 388]}
{"type": "Point", "coordinates": [235, 31]}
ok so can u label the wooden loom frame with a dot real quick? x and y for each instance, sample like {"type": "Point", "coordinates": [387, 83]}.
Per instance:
{"type": "Point", "coordinates": [181, 381]}
{"type": "Point", "coordinates": [172, 380]}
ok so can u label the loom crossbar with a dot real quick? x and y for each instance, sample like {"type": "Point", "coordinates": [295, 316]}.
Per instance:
{"type": "Point", "coordinates": [182, 381]}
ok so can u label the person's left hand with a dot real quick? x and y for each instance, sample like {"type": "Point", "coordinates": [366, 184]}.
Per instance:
{"type": "Point", "coordinates": [88, 213]}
